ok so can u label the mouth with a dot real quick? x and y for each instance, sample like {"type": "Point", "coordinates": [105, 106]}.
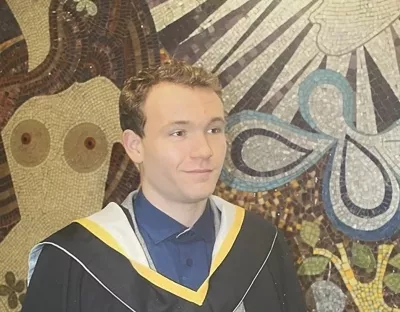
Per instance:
{"type": "Point", "coordinates": [199, 171]}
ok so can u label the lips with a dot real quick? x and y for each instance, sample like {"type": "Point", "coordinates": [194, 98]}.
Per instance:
{"type": "Point", "coordinates": [199, 171]}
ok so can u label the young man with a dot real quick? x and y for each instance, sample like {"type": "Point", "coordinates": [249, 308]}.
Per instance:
{"type": "Point", "coordinates": [172, 246]}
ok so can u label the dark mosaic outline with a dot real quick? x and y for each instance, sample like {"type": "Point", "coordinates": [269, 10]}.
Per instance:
{"type": "Point", "coordinates": [350, 205]}
{"type": "Point", "coordinates": [385, 232]}
{"type": "Point", "coordinates": [240, 140]}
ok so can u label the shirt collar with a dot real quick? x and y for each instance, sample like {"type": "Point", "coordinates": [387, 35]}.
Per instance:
{"type": "Point", "coordinates": [159, 226]}
{"type": "Point", "coordinates": [205, 227]}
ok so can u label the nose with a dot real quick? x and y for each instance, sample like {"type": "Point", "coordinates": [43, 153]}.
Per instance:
{"type": "Point", "coordinates": [201, 147]}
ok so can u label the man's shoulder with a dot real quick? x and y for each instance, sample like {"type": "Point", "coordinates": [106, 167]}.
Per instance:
{"type": "Point", "coordinates": [261, 228]}
{"type": "Point", "coordinates": [70, 232]}
{"type": "Point", "coordinates": [257, 220]}
{"type": "Point", "coordinates": [252, 218]}
{"type": "Point", "coordinates": [254, 228]}
{"type": "Point", "coordinates": [74, 230]}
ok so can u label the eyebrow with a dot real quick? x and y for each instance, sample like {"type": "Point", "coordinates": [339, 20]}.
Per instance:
{"type": "Point", "coordinates": [218, 119]}
{"type": "Point", "coordinates": [186, 122]}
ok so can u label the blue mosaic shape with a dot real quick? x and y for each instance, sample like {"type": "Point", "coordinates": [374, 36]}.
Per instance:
{"type": "Point", "coordinates": [386, 231]}
{"type": "Point", "coordinates": [262, 180]}
{"type": "Point", "coordinates": [323, 77]}
{"type": "Point", "coordinates": [352, 207]}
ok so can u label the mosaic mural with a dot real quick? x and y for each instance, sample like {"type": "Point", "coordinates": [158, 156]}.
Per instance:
{"type": "Point", "coordinates": [311, 91]}
{"type": "Point", "coordinates": [61, 66]}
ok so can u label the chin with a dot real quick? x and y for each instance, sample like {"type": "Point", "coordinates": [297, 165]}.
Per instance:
{"type": "Point", "coordinates": [200, 195]}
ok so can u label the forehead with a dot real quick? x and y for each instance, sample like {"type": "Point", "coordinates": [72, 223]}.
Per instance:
{"type": "Point", "coordinates": [168, 102]}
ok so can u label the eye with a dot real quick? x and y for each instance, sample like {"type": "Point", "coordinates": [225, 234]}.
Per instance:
{"type": "Point", "coordinates": [30, 143]}
{"type": "Point", "coordinates": [178, 133]}
{"type": "Point", "coordinates": [216, 130]}
{"type": "Point", "coordinates": [85, 147]}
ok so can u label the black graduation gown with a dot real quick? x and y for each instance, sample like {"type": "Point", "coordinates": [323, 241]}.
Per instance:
{"type": "Point", "coordinates": [78, 271]}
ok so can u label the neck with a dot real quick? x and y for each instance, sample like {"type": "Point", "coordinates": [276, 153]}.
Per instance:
{"type": "Point", "coordinates": [185, 213]}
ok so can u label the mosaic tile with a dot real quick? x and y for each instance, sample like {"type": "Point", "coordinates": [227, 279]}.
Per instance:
{"type": "Point", "coordinates": [328, 297]}
{"type": "Point", "coordinates": [246, 35]}
{"type": "Point", "coordinates": [99, 54]}
{"type": "Point", "coordinates": [154, 3]}
{"type": "Point", "coordinates": [34, 26]}
{"type": "Point", "coordinates": [396, 42]}
{"type": "Point", "coordinates": [351, 76]}
{"type": "Point", "coordinates": [256, 93]}
{"type": "Point", "coordinates": [382, 51]}
{"type": "Point", "coordinates": [245, 125]}
{"type": "Point", "coordinates": [346, 274]}
{"type": "Point", "coordinates": [174, 33]}
{"type": "Point", "coordinates": [233, 34]}
{"type": "Point", "coordinates": [166, 13]}
{"type": "Point", "coordinates": [288, 106]}
{"type": "Point", "coordinates": [270, 20]}
{"type": "Point", "coordinates": [349, 25]}
{"type": "Point", "coordinates": [13, 289]}
{"type": "Point", "coordinates": [365, 116]}
{"type": "Point", "coordinates": [212, 34]}
{"type": "Point", "coordinates": [298, 119]}
{"type": "Point", "coordinates": [251, 60]}
{"type": "Point", "coordinates": [383, 96]}
{"type": "Point", "coordinates": [233, 70]}
{"type": "Point", "coordinates": [122, 176]}
{"type": "Point", "coordinates": [13, 49]}
{"type": "Point", "coordinates": [316, 170]}
{"type": "Point", "coordinates": [98, 48]}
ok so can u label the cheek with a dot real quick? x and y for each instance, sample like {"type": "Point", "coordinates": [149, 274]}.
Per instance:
{"type": "Point", "coordinates": [219, 147]}
{"type": "Point", "coordinates": [169, 153]}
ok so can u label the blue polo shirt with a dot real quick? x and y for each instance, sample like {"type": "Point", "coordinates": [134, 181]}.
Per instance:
{"type": "Point", "coordinates": [179, 253]}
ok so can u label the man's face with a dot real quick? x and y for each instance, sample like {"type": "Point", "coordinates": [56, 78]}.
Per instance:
{"type": "Point", "coordinates": [184, 146]}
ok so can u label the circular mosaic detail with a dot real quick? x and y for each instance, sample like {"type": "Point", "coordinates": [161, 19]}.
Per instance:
{"type": "Point", "coordinates": [85, 147]}
{"type": "Point", "coordinates": [30, 143]}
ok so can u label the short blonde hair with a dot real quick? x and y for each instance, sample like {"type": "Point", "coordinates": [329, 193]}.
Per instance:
{"type": "Point", "coordinates": [136, 89]}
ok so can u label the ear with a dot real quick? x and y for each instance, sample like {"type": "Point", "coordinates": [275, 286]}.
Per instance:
{"type": "Point", "coordinates": [133, 146]}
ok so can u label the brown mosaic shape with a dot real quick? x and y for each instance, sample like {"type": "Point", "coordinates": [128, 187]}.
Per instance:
{"type": "Point", "coordinates": [285, 206]}
{"type": "Point", "coordinates": [13, 48]}
{"type": "Point", "coordinates": [30, 143]}
{"type": "Point", "coordinates": [116, 42]}
{"type": "Point", "coordinates": [85, 147]}
{"type": "Point", "coordinates": [123, 176]}
{"type": "Point", "coordinates": [12, 289]}
{"type": "Point", "coordinates": [14, 58]}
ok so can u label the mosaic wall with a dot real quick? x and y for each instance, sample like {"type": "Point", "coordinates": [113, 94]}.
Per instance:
{"type": "Point", "coordinates": [311, 90]}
